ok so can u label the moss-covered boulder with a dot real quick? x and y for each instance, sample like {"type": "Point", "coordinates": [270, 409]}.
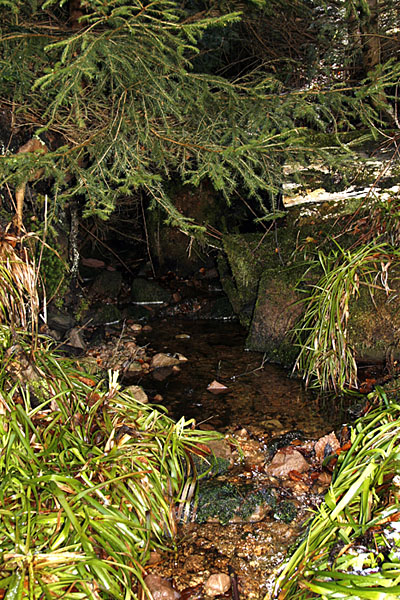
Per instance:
{"type": "Point", "coordinates": [374, 323]}
{"type": "Point", "coordinates": [144, 291]}
{"type": "Point", "coordinates": [262, 285]}
{"type": "Point", "coordinates": [107, 284]}
{"type": "Point", "coordinates": [247, 257]}
{"type": "Point", "coordinates": [373, 326]}
{"type": "Point", "coordinates": [105, 314]}
{"type": "Point", "coordinates": [275, 314]}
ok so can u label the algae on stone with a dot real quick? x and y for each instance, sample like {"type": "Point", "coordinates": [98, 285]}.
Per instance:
{"type": "Point", "coordinates": [224, 501]}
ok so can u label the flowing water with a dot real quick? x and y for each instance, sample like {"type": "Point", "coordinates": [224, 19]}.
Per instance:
{"type": "Point", "coordinates": [261, 402]}
{"type": "Point", "coordinates": [258, 392]}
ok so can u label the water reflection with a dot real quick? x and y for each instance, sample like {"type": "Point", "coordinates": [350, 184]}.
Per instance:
{"type": "Point", "coordinates": [258, 393]}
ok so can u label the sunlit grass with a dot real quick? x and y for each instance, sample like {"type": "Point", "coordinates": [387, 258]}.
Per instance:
{"type": "Point", "coordinates": [352, 545]}
{"type": "Point", "coordinates": [90, 482]}
{"type": "Point", "coordinates": [326, 357]}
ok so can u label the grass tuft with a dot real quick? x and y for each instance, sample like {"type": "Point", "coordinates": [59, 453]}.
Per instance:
{"type": "Point", "coordinates": [91, 481]}
{"type": "Point", "coordinates": [326, 357]}
{"type": "Point", "coordinates": [351, 548]}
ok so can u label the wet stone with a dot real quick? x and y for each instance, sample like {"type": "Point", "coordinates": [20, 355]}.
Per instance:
{"type": "Point", "coordinates": [217, 584]}
{"type": "Point", "coordinates": [145, 291]}
{"type": "Point", "coordinates": [137, 392]}
{"type": "Point", "coordinates": [286, 460]}
{"type": "Point", "coordinates": [160, 588]}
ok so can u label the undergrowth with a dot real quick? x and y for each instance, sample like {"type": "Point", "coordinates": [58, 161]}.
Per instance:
{"type": "Point", "coordinates": [91, 480]}
{"type": "Point", "coordinates": [326, 358]}
{"type": "Point", "coordinates": [351, 547]}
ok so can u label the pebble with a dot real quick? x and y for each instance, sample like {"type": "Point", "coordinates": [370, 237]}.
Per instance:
{"type": "Point", "coordinates": [285, 460]}
{"type": "Point", "coordinates": [217, 584]}
{"type": "Point", "coordinates": [160, 588]}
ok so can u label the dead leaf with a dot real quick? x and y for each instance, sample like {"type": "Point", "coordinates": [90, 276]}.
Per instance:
{"type": "Point", "coordinates": [93, 262]}
{"type": "Point", "coordinates": [215, 387]}
{"type": "Point", "coordinates": [86, 381]}
{"type": "Point", "coordinates": [295, 475]}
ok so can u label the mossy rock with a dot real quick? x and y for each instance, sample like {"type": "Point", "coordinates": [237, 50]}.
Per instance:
{"type": "Point", "coordinates": [106, 314]}
{"type": "Point", "coordinates": [107, 284]}
{"type": "Point", "coordinates": [373, 327]}
{"type": "Point", "coordinates": [223, 501]}
{"type": "Point", "coordinates": [276, 312]}
{"type": "Point", "coordinates": [145, 291]}
{"type": "Point", "coordinates": [247, 257]}
{"type": "Point", "coordinates": [262, 285]}
{"type": "Point", "coordinates": [374, 323]}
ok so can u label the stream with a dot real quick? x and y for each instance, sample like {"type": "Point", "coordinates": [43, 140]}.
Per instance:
{"type": "Point", "coordinates": [258, 395]}
{"type": "Point", "coordinates": [261, 403]}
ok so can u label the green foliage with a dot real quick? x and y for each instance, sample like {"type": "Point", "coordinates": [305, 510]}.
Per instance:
{"type": "Point", "coordinates": [90, 478]}
{"type": "Point", "coordinates": [116, 99]}
{"type": "Point", "coordinates": [351, 546]}
{"type": "Point", "coordinates": [89, 481]}
{"type": "Point", "coordinates": [326, 357]}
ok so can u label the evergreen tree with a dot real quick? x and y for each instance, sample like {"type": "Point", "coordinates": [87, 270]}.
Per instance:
{"type": "Point", "coordinates": [117, 93]}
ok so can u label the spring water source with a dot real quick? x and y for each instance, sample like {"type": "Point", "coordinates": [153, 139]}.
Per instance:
{"type": "Point", "coordinates": [262, 402]}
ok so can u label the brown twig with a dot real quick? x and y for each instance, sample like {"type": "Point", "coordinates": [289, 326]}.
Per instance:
{"type": "Point", "coordinates": [234, 583]}
{"type": "Point", "coordinates": [107, 247]}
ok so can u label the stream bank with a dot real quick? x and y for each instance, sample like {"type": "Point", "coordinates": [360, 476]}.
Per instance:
{"type": "Point", "coordinates": [257, 405]}
{"type": "Point", "coordinates": [241, 524]}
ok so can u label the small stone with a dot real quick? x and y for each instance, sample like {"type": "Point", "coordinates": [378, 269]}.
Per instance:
{"type": "Point", "coordinates": [75, 339]}
{"type": "Point", "coordinates": [160, 588]}
{"type": "Point", "coordinates": [155, 557]}
{"type": "Point", "coordinates": [325, 446]}
{"type": "Point", "coordinates": [221, 449]}
{"type": "Point", "coordinates": [134, 367]}
{"type": "Point", "coordinates": [95, 263]}
{"type": "Point", "coordinates": [215, 387]}
{"type": "Point", "coordinates": [286, 460]}
{"type": "Point", "coordinates": [138, 393]}
{"type": "Point", "coordinates": [217, 584]}
{"type": "Point", "coordinates": [163, 360]}
{"type": "Point", "coordinates": [242, 434]}
{"type": "Point", "coordinates": [272, 424]}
